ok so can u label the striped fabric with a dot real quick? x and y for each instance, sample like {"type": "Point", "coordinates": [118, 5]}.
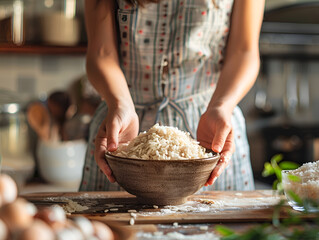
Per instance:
{"type": "Point", "coordinates": [171, 54]}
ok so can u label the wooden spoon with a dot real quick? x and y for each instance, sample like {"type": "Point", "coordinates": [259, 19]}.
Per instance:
{"type": "Point", "coordinates": [39, 119]}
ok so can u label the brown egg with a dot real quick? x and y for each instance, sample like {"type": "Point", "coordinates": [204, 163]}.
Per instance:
{"type": "Point", "coordinates": [102, 231]}
{"type": "Point", "coordinates": [54, 216]}
{"type": "Point", "coordinates": [4, 233]}
{"type": "Point", "coordinates": [18, 214]}
{"type": "Point", "coordinates": [38, 230]}
{"type": "Point", "coordinates": [8, 189]}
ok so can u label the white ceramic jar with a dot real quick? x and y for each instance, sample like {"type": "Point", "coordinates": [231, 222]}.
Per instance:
{"type": "Point", "coordinates": [61, 162]}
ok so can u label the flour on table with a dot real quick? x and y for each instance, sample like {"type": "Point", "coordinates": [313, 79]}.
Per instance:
{"type": "Point", "coordinates": [176, 235]}
{"type": "Point", "coordinates": [209, 205]}
{"type": "Point", "coordinates": [242, 202]}
{"type": "Point", "coordinates": [72, 206]}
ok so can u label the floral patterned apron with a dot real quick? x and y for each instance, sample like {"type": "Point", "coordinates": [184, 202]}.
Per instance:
{"type": "Point", "coordinates": [171, 54]}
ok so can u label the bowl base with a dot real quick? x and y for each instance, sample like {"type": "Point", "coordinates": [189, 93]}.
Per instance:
{"type": "Point", "coordinates": [161, 202]}
{"type": "Point", "coordinates": [309, 209]}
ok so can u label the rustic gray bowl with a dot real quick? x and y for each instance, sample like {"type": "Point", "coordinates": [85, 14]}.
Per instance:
{"type": "Point", "coordinates": [161, 182]}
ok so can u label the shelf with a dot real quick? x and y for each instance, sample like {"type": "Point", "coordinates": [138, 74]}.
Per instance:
{"type": "Point", "coordinates": [42, 49]}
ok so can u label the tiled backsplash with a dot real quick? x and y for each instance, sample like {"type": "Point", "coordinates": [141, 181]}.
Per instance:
{"type": "Point", "coordinates": [36, 75]}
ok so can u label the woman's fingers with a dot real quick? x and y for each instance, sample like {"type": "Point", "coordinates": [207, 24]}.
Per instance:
{"type": "Point", "coordinates": [229, 146]}
{"type": "Point", "coordinates": [225, 158]}
{"type": "Point", "coordinates": [112, 136]}
{"type": "Point", "coordinates": [220, 167]}
{"type": "Point", "coordinates": [220, 138]}
{"type": "Point", "coordinates": [106, 170]}
{"type": "Point", "coordinates": [99, 152]}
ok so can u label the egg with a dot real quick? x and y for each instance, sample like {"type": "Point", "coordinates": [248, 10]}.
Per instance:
{"type": "Point", "coordinates": [4, 233]}
{"type": "Point", "coordinates": [8, 189]}
{"type": "Point", "coordinates": [102, 231]}
{"type": "Point", "coordinates": [84, 225]}
{"type": "Point", "coordinates": [38, 230]}
{"type": "Point", "coordinates": [18, 214]}
{"type": "Point", "coordinates": [54, 216]}
{"type": "Point", "coordinates": [70, 232]}
{"type": "Point", "coordinates": [59, 214]}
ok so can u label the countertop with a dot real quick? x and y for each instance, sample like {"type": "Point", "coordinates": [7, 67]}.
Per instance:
{"type": "Point", "coordinates": [196, 219]}
{"type": "Point", "coordinates": [39, 187]}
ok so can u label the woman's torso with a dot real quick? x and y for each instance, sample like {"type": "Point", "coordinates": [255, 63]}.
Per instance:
{"type": "Point", "coordinates": [171, 54]}
{"type": "Point", "coordinates": [172, 49]}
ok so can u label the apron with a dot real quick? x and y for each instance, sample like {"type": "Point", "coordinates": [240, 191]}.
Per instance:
{"type": "Point", "coordinates": [171, 54]}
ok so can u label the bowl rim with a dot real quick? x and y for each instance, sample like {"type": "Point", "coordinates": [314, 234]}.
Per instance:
{"type": "Point", "coordinates": [216, 156]}
{"type": "Point", "coordinates": [286, 173]}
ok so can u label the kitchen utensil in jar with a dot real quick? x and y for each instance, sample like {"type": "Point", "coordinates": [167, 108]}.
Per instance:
{"type": "Point", "coordinates": [15, 138]}
{"type": "Point", "coordinates": [39, 119]}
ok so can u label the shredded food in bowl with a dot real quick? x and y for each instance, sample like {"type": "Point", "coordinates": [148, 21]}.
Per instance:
{"type": "Point", "coordinates": [162, 143]}
{"type": "Point", "coordinates": [308, 187]}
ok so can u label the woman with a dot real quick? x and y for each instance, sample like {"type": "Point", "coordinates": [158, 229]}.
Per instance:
{"type": "Point", "coordinates": [182, 63]}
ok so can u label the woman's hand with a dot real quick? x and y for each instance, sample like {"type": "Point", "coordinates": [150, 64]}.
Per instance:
{"type": "Point", "coordinates": [120, 126]}
{"type": "Point", "coordinates": [237, 76]}
{"type": "Point", "coordinates": [215, 132]}
{"type": "Point", "coordinates": [105, 74]}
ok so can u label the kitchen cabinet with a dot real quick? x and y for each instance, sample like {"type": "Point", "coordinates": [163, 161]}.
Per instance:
{"type": "Point", "coordinates": [42, 27]}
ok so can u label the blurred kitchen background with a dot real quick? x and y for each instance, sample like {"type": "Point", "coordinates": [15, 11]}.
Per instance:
{"type": "Point", "coordinates": [44, 92]}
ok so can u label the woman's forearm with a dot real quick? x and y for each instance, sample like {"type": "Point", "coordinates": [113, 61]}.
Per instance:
{"type": "Point", "coordinates": [108, 79]}
{"type": "Point", "coordinates": [236, 79]}
{"type": "Point", "coordinates": [102, 61]}
{"type": "Point", "coordinates": [242, 54]}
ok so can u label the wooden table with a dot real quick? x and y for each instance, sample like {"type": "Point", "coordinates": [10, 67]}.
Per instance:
{"type": "Point", "coordinates": [198, 215]}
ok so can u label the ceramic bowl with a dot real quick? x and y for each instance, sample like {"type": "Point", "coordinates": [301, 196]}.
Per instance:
{"type": "Point", "coordinates": [61, 162]}
{"type": "Point", "coordinates": [161, 182]}
{"type": "Point", "coordinates": [302, 193]}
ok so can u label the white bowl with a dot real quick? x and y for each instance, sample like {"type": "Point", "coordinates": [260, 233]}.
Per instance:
{"type": "Point", "coordinates": [61, 162]}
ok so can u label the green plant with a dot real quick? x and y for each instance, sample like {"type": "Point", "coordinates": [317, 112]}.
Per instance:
{"type": "Point", "coordinates": [269, 232]}
{"type": "Point", "coordinates": [275, 166]}
{"type": "Point", "coordinates": [294, 227]}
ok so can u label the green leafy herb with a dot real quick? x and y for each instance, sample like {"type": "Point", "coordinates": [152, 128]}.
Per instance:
{"type": "Point", "coordinates": [287, 165]}
{"type": "Point", "coordinates": [294, 227]}
{"type": "Point", "coordinates": [294, 178]}
{"type": "Point", "coordinates": [224, 231]}
{"type": "Point", "coordinates": [275, 166]}
{"type": "Point", "coordinates": [268, 170]}
{"type": "Point", "coordinates": [293, 196]}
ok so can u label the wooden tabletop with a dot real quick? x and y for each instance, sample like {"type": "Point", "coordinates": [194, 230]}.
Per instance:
{"type": "Point", "coordinates": [200, 213]}
{"type": "Point", "coordinates": [205, 207]}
